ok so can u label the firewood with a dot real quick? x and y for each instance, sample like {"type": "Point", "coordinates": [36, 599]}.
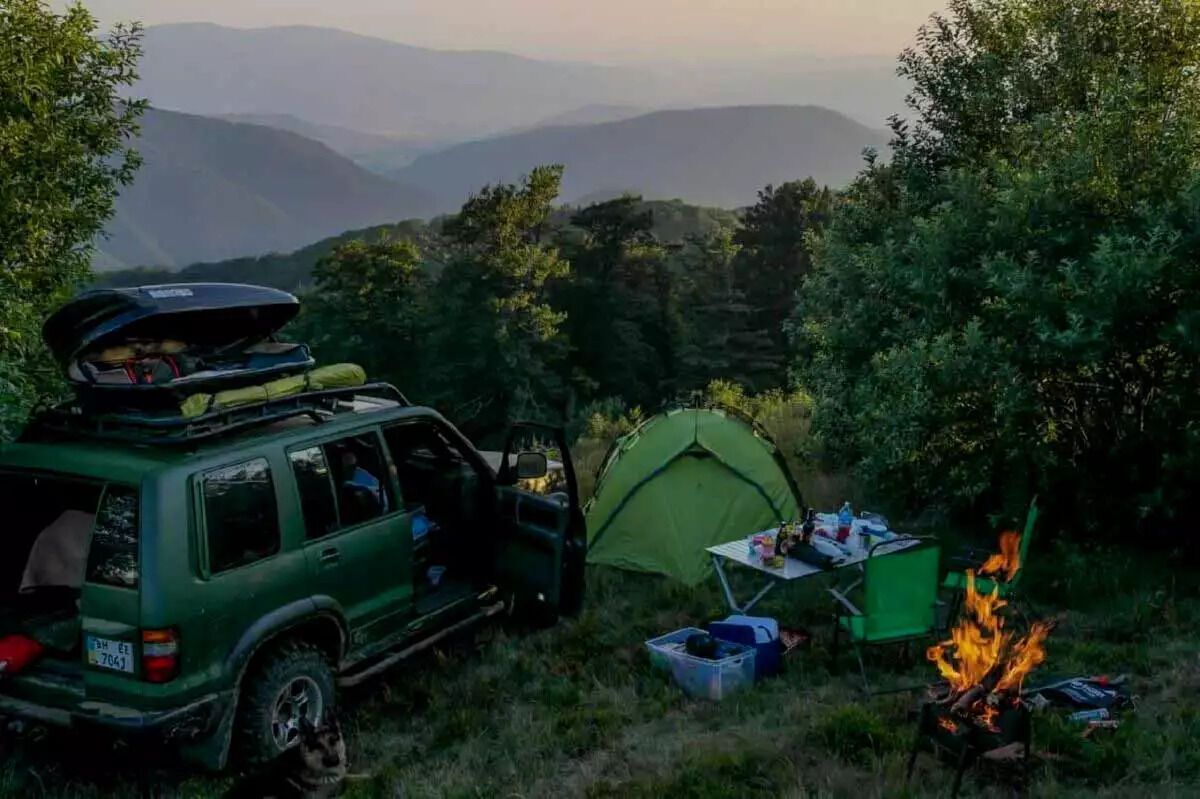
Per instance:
{"type": "Point", "coordinates": [963, 705]}
{"type": "Point", "coordinates": [1007, 753]}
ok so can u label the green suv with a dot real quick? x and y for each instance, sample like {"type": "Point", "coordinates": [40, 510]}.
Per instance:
{"type": "Point", "coordinates": [240, 569]}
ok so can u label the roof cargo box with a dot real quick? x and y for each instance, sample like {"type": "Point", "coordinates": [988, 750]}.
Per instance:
{"type": "Point", "coordinates": [152, 346]}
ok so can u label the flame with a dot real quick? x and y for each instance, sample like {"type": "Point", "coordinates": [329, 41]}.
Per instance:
{"type": "Point", "coordinates": [982, 653]}
{"type": "Point", "coordinates": [947, 724]}
{"type": "Point", "coordinates": [978, 641]}
{"type": "Point", "coordinates": [1007, 561]}
{"type": "Point", "coordinates": [987, 713]}
{"type": "Point", "coordinates": [1027, 654]}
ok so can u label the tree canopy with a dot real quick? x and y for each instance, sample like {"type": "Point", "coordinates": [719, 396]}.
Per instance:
{"type": "Point", "coordinates": [1012, 304]}
{"type": "Point", "coordinates": [64, 151]}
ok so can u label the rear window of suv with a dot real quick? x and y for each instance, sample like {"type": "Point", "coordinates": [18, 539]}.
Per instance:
{"type": "Point", "coordinates": [113, 559]}
{"type": "Point", "coordinates": [59, 531]}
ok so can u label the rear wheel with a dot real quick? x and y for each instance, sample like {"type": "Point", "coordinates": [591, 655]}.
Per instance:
{"type": "Point", "coordinates": [290, 685]}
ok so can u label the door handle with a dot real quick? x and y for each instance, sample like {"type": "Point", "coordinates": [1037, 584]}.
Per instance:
{"type": "Point", "coordinates": [330, 556]}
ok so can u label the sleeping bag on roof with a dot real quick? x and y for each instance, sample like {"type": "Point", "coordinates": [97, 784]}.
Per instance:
{"type": "Point", "coordinates": [338, 375]}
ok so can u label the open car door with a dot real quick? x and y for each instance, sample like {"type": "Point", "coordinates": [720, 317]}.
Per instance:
{"type": "Point", "coordinates": [545, 537]}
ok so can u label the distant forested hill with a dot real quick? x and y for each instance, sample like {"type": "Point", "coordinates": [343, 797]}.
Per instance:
{"type": "Point", "coordinates": [376, 152]}
{"type": "Point", "coordinates": [711, 156]}
{"type": "Point", "coordinates": [210, 189]}
{"type": "Point", "coordinates": [673, 221]}
{"type": "Point", "coordinates": [337, 78]}
{"type": "Point", "coordinates": [332, 77]}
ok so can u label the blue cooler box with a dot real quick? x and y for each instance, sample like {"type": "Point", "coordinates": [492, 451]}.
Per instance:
{"type": "Point", "coordinates": [760, 632]}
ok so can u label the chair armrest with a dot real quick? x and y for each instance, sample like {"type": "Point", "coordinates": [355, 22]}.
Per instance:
{"type": "Point", "coordinates": [844, 601]}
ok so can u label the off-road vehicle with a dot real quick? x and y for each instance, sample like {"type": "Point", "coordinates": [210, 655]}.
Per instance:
{"type": "Point", "coordinates": [239, 565]}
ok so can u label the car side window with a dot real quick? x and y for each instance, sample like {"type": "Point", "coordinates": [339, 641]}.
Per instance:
{"type": "Point", "coordinates": [314, 482]}
{"type": "Point", "coordinates": [240, 513]}
{"type": "Point", "coordinates": [361, 477]}
{"type": "Point", "coordinates": [113, 557]}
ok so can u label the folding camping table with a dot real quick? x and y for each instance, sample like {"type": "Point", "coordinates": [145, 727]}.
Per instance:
{"type": "Point", "coordinates": [739, 552]}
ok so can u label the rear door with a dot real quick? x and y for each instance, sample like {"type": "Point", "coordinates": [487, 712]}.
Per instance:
{"type": "Point", "coordinates": [544, 544]}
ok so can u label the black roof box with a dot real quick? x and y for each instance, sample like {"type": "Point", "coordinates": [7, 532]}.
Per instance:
{"type": "Point", "coordinates": [200, 314]}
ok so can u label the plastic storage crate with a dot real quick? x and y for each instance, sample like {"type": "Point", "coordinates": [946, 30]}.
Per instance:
{"type": "Point", "coordinates": [698, 677]}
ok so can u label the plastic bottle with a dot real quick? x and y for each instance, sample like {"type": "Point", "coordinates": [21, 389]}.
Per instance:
{"type": "Point", "coordinates": [845, 522]}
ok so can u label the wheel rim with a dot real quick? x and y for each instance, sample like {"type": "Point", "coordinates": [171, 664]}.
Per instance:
{"type": "Point", "coordinates": [296, 702]}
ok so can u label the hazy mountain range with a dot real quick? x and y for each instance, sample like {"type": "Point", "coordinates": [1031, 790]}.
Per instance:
{"type": "Point", "coordinates": [332, 77]}
{"type": "Point", "coordinates": [210, 189]}
{"type": "Point", "coordinates": [290, 135]}
{"type": "Point", "coordinates": [711, 156]}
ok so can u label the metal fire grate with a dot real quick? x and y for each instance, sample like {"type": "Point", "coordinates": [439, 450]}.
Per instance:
{"type": "Point", "coordinates": [964, 739]}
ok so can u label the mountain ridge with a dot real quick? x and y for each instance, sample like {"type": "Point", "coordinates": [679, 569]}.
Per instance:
{"type": "Point", "coordinates": [718, 156]}
{"type": "Point", "coordinates": [209, 189]}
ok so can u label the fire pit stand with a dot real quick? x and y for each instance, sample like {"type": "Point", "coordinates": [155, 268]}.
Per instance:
{"type": "Point", "coordinates": [966, 739]}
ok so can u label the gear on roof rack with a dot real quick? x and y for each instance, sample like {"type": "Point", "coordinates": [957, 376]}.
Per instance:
{"type": "Point", "coordinates": [72, 419]}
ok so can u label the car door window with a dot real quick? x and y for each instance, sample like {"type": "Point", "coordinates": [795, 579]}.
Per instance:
{"type": "Point", "coordinates": [361, 478]}
{"type": "Point", "coordinates": [240, 514]}
{"type": "Point", "coordinates": [314, 483]}
{"type": "Point", "coordinates": [423, 457]}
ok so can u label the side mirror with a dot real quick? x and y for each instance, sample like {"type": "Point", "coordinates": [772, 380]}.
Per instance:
{"type": "Point", "coordinates": [532, 466]}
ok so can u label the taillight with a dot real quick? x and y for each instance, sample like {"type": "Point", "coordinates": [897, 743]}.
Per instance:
{"type": "Point", "coordinates": [160, 655]}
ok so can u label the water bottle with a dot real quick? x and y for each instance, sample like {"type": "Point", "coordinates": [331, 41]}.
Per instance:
{"type": "Point", "coordinates": [845, 522]}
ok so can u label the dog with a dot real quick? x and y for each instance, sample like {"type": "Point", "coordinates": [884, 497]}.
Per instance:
{"type": "Point", "coordinates": [315, 768]}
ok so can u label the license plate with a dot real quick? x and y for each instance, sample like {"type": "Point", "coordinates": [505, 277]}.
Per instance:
{"type": "Point", "coordinates": [109, 654]}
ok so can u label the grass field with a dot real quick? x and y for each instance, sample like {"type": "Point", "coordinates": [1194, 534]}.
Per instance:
{"type": "Point", "coordinates": [576, 710]}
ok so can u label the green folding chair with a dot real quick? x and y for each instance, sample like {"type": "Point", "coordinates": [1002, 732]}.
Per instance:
{"type": "Point", "coordinates": [957, 580]}
{"type": "Point", "coordinates": [899, 599]}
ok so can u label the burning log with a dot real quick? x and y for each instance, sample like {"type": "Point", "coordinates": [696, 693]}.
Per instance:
{"type": "Point", "coordinates": [963, 704]}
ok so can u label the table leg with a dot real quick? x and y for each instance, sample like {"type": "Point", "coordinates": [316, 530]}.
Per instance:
{"type": "Point", "coordinates": [728, 591]}
{"type": "Point", "coordinates": [733, 605]}
{"type": "Point", "coordinates": [766, 589]}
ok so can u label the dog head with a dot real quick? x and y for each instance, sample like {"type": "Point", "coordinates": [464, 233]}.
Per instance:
{"type": "Point", "coordinates": [322, 751]}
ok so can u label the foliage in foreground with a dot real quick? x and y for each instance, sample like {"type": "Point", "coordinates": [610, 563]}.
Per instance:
{"type": "Point", "coordinates": [63, 154]}
{"type": "Point", "coordinates": [1013, 304]}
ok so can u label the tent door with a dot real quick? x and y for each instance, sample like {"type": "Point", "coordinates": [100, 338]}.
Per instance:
{"type": "Point", "coordinates": [545, 540]}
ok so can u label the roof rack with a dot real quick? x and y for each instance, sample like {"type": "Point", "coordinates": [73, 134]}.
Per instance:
{"type": "Point", "coordinates": [146, 428]}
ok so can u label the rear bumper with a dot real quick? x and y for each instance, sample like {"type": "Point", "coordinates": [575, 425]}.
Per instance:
{"type": "Point", "coordinates": [181, 724]}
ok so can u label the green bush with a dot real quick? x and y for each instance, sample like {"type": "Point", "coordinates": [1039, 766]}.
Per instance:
{"type": "Point", "coordinates": [1012, 304]}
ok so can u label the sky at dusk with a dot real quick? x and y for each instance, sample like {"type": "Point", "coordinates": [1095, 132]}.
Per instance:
{"type": "Point", "coordinates": [615, 31]}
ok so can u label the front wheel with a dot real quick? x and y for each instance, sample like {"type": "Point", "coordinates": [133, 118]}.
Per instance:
{"type": "Point", "coordinates": [291, 685]}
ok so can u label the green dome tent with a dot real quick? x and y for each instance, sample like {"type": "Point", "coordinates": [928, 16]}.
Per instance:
{"type": "Point", "coordinates": [685, 480]}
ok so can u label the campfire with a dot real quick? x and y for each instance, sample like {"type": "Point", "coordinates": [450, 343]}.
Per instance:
{"type": "Point", "coordinates": [984, 664]}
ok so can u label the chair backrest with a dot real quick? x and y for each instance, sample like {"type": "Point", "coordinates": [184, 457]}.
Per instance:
{"type": "Point", "coordinates": [1026, 539]}
{"type": "Point", "coordinates": [900, 590]}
